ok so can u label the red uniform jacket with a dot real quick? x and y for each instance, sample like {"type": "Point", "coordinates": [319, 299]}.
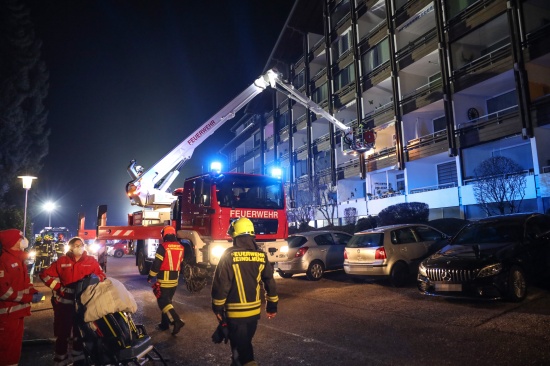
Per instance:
{"type": "Point", "coordinates": [167, 263]}
{"type": "Point", "coordinates": [64, 273]}
{"type": "Point", "coordinates": [16, 289]}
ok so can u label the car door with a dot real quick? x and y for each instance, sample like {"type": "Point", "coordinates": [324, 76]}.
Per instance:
{"type": "Point", "coordinates": [405, 245]}
{"type": "Point", "coordinates": [335, 254]}
{"type": "Point", "coordinates": [431, 239]}
{"type": "Point", "coordinates": [324, 243]}
{"type": "Point", "coordinates": [537, 243]}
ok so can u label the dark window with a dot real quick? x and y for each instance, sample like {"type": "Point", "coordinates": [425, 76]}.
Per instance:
{"type": "Point", "coordinates": [366, 240]}
{"type": "Point", "coordinates": [446, 173]}
{"type": "Point", "coordinates": [296, 241]}
{"type": "Point", "coordinates": [427, 234]}
{"type": "Point", "coordinates": [341, 239]}
{"type": "Point", "coordinates": [403, 236]}
{"type": "Point", "coordinates": [324, 239]}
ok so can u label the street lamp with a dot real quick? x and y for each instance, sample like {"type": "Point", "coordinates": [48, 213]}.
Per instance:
{"type": "Point", "coordinates": [27, 183]}
{"type": "Point", "coordinates": [49, 206]}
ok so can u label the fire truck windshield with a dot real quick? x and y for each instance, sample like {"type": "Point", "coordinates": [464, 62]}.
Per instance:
{"type": "Point", "coordinates": [250, 191]}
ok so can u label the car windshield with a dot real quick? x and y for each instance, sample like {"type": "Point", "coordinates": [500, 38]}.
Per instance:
{"type": "Point", "coordinates": [296, 241]}
{"type": "Point", "coordinates": [366, 240]}
{"type": "Point", "coordinates": [489, 232]}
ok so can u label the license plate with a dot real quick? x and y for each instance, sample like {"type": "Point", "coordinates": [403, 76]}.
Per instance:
{"type": "Point", "coordinates": [448, 287]}
{"type": "Point", "coordinates": [283, 266]}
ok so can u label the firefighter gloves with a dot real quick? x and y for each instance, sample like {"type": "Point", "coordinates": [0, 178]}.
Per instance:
{"type": "Point", "coordinates": [221, 333]}
{"type": "Point", "coordinates": [156, 289]}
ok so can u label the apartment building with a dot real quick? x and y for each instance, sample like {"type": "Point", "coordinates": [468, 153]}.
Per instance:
{"type": "Point", "coordinates": [443, 85]}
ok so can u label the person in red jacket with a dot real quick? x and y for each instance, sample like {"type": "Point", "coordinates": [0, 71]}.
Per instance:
{"type": "Point", "coordinates": [165, 270]}
{"type": "Point", "coordinates": [16, 294]}
{"type": "Point", "coordinates": [62, 277]}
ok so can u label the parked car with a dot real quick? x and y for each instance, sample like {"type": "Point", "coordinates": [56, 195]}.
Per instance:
{"type": "Point", "coordinates": [491, 258]}
{"type": "Point", "coordinates": [393, 251]}
{"type": "Point", "coordinates": [118, 249]}
{"type": "Point", "coordinates": [313, 253]}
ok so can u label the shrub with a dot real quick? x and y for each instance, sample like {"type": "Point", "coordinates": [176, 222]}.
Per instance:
{"type": "Point", "coordinates": [365, 223]}
{"type": "Point", "coordinates": [404, 213]}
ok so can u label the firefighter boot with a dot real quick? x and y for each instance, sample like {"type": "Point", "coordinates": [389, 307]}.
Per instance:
{"type": "Point", "coordinates": [178, 323]}
{"type": "Point", "coordinates": [164, 323]}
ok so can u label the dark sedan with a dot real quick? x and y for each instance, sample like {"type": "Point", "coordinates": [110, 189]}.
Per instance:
{"type": "Point", "coordinates": [492, 258]}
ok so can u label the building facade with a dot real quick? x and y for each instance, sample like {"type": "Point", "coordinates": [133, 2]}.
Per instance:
{"type": "Point", "coordinates": [443, 85]}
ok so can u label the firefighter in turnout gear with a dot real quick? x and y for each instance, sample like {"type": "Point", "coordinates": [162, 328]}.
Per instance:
{"type": "Point", "coordinates": [16, 294]}
{"type": "Point", "coordinates": [165, 270]}
{"type": "Point", "coordinates": [236, 298]}
{"type": "Point", "coordinates": [62, 277]}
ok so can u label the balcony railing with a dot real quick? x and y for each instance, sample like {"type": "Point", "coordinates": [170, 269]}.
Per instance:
{"type": "Point", "coordinates": [483, 61]}
{"type": "Point", "coordinates": [433, 188]}
{"type": "Point", "coordinates": [488, 118]}
{"type": "Point", "coordinates": [423, 90]}
{"type": "Point", "coordinates": [427, 139]}
{"type": "Point", "coordinates": [419, 42]}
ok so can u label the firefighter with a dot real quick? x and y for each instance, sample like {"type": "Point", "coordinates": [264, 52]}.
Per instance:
{"type": "Point", "coordinates": [62, 277]}
{"type": "Point", "coordinates": [164, 274]}
{"type": "Point", "coordinates": [236, 292]}
{"type": "Point", "coordinates": [16, 294]}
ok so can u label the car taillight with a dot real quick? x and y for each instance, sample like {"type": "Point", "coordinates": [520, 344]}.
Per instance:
{"type": "Point", "coordinates": [301, 252]}
{"type": "Point", "coordinates": [380, 253]}
{"type": "Point", "coordinates": [345, 254]}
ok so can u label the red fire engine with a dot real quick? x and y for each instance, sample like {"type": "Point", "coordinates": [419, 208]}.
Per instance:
{"type": "Point", "coordinates": [203, 209]}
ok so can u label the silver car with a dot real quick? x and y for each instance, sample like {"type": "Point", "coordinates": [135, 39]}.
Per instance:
{"type": "Point", "coordinates": [313, 252]}
{"type": "Point", "coordinates": [391, 251]}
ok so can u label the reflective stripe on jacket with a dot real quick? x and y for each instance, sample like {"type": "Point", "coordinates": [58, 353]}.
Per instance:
{"type": "Point", "coordinates": [167, 263]}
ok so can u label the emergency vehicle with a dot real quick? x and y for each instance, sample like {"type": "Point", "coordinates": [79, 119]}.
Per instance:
{"type": "Point", "coordinates": [203, 209]}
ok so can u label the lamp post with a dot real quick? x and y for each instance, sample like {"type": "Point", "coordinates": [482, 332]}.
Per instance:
{"type": "Point", "coordinates": [27, 183]}
{"type": "Point", "coordinates": [49, 206]}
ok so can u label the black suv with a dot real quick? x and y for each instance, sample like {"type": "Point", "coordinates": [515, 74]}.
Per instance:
{"type": "Point", "coordinates": [491, 258]}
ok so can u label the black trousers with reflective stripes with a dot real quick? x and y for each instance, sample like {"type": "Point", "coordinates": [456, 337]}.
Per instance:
{"type": "Point", "coordinates": [241, 332]}
{"type": "Point", "coordinates": [169, 315]}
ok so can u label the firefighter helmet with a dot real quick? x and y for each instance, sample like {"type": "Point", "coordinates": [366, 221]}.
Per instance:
{"type": "Point", "coordinates": [241, 226]}
{"type": "Point", "coordinates": [168, 230]}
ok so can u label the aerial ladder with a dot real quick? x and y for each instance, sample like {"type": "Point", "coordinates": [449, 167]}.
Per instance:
{"type": "Point", "coordinates": [151, 187]}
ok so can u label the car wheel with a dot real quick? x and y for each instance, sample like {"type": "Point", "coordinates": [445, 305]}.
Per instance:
{"type": "Point", "coordinates": [118, 253]}
{"type": "Point", "coordinates": [399, 274]}
{"type": "Point", "coordinates": [315, 271]}
{"type": "Point", "coordinates": [143, 265]}
{"type": "Point", "coordinates": [284, 274]}
{"type": "Point", "coordinates": [517, 286]}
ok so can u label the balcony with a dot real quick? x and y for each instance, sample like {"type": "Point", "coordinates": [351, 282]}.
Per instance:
{"type": "Point", "coordinates": [302, 152]}
{"type": "Point", "coordinates": [300, 123]}
{"type": "Point", "coordinates": [381, 115]}
{"type": "Point", "coordinates": [422, 96]}
{"type": "Point", "coordinates": [344, 95]}
{"type": "Point", "coordinates": [483, 68]}
{"type": "Point", "coordinates": [321, 144]}
{"type": "Point", "coordinates": [409, 10]}
{"type": "Point", "coordinates": [350, 169]}
{"type": "Point", "coordinates": [478, 13]}
{"type": "Point", "coordinates": [537, 43]}
{"type": "Point", "coordinates": [421, 47]}
{"type": "Point", "coordinates": [384, 158]}
{"type": "Point", "coordinates": [427, 145]}
{"type": "Point", "coordinates": [540, 111]}
{"type": "Point", "coordinates": [445, 195]}
{"type": "Point", "coordinates": [490, 127]}
{"type": "Point", "coordinates": [374, 37]}
{"type": "Point", "coordinates": [376, 76]}
{"type": "Point", "coordinates": [283, 133]}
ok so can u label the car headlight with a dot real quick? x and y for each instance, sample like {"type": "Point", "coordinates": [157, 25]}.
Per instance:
{"type": "Point", "coordinates": [217, 251]}
{"type": "Point", "coordinates": [94, 248]}
{"type": "Point", "coordinates": [490, 270]}
{"type": "Point", "coordinates": [422, 270]}
{"type": "Point", "coordinates": [32, 255]}
{"type": "Point", "coordinates": [66, 248]}
{"type": "Point", "coordinates": [284, 249]}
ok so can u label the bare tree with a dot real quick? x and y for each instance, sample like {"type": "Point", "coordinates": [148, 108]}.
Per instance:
{"type": "Point", "coordinates": [326, 197]}
{"type": "Point", "coordinates": [500, 185]}
{"type": "Point", "coordinates": [302, 212]}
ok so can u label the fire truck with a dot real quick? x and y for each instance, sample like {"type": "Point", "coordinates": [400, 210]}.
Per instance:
{"type": "Point", "coordinates": [203, 209]}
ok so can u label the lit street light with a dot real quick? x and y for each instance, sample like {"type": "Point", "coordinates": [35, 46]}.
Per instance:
{"type": "Point", "coordinates": [27, 183]}
{"type": "Point", "coordinates": [49, 206]}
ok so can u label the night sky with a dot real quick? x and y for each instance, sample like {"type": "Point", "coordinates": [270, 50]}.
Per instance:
{"type": "Point", "coordinates": [130, 80]}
